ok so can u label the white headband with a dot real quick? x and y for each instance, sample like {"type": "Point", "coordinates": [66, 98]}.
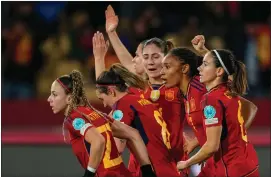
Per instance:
{"type": "Point", "coordinates": [221, 62]}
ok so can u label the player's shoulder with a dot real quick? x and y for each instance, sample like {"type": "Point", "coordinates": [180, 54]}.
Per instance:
{"type": "Point", "coordinates": [135, 91]}
{"type": "Point", "coordinates": [196, 86]}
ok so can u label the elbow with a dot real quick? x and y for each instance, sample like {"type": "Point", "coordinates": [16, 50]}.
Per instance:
{"type": "Point", "coordinates": [212, 148]}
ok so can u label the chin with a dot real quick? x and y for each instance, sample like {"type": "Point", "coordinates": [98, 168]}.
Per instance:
{"type": "Point", "coordinates": [154, 75]}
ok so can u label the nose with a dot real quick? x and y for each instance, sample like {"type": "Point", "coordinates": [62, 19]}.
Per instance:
{"type": "Point", "coordinates": [49, 99]}
{"type": "Point", "coordinates": [162, 71]}
{"type": "Point", "coordinates": [199, 68]}
{"type": "Point", "coordinates": [133, 60]}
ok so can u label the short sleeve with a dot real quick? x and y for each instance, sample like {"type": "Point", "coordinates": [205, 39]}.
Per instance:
{"type": "Point", "coordinates": [81, 125]}
{"type": "Point", "coordinates": [212, 112]}
{"type": "Point", "coordinates": [123, 113]}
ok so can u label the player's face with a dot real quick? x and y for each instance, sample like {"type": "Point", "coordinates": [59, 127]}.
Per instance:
{"type": "Point", "coordinates": [171, 71]}
{"type": "Point", "coordinates": [58, 99]}
{"type": "Point", "coordinates": [137, 60]}
{"type": "Point", "coordinates": [152, 60]}
{"type": "Point", "coordinates": [208, 70]}
{"type": "Point", "coordinates": [107, 99]}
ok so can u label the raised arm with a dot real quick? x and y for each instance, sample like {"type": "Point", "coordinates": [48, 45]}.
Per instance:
{"type": "Point", "coordinates": [198, 43]}
{"type": "Point", "coordinates": [100, 48]}
{"type": "Point", "coordinates": [111, 25]}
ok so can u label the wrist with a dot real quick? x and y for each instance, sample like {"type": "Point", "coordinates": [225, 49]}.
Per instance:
{"type": "Point", "coordinates": [90, 172]}
{"type": "Point", "coordinates": [93, 170]}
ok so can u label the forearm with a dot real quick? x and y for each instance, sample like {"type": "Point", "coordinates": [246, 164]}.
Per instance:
{"type": "Point", "coordinates": [204, 153]}
{"type": "Point", "coordinates": [96, 153]}
{"type": "Point", "coordinates": [123, 54]}
{"type": "Point", "coordinates": [134, 141]}
{"type": "Point", "coordinates": [139, 149]}
{"type": "Point", "coordinates": [99, 66]}
{"type": "Point", "coordinates": [203, 51]}
{"type": "Point", "coordinates": [121, 144]}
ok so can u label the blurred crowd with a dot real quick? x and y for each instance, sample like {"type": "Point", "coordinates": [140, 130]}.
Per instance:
{"type": "Point", "coordinates": [43, 40]}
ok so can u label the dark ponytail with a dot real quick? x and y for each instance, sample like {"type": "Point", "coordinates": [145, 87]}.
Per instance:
{"type": "Point", "coordinates": [232, 67]}
{"type": "Point", "coordinates": [239, 85]}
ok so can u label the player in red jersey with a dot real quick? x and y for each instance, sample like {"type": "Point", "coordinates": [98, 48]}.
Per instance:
{"type": "Point", "coordinates": [180, 68]}
{"type": "Point", "coordinates": [140, 113]}
{"type": "Point", "coordinates": [223, 121]}
{"type": "Point", "coordinates": [87, 127]}
{"type": "Point", "coordinates": [167, 100]}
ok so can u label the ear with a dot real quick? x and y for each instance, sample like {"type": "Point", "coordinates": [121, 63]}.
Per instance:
{"type": "Point", "coordinates": [68, 99]}
{"type": "Point", "coordinates": [111, 91]}
{"type": "Point", "coordinates": [219, 72]}
{"type": "Point", "coordinates": [185, 68]}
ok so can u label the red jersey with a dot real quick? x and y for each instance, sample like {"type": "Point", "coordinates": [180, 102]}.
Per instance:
{"type": "Point", "coordinates": [193, 112]}
{"type": "Point", "coordinates": [77, 124]}
{"type": "Point", "coordinates": [220, 109]}
{"type": "Point", "coordinates": [142, 115]}
{"type": "Point", "coordinates": [168, 101]}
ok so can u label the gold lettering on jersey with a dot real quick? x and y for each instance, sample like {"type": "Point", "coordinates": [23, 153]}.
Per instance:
{"type": "Point", "coordinates": [144, 102]}
{"type": "Point", "coordinates": [93, 116]}
{"type": "Point", "coordinates": [141, 96]}
{"type": "Point", "coordinates": [155, 95]}
{"type": "Point", "coordinates": [169, 95]}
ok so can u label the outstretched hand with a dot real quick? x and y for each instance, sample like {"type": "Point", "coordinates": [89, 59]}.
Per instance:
{"type": "Point", "coordinates": [112, 19]}
{"type": "Point", "coordinates": [100, 47]}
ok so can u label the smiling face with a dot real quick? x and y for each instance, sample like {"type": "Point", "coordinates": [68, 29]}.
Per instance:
{"type": "Point", "coordinates": [171, 72]}
{"type": "Point", "coordinates": [152, 60]}
{"type": "Point", "coordinates": [58, 99]}
{"type": "Point", "coordinates": [138, 61]}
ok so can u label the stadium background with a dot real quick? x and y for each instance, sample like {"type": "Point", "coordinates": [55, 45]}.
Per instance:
{"type": "Point", "coordinates": [43, 40]}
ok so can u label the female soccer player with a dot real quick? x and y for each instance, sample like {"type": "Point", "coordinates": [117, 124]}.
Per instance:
{"type": "Point", "coordinates": [89, 127]}
{"type": "Point", "coordinates": [223, 121]}
{"type": "Point", "coordinates": [112, 90]}
{"type": "Point", "coordinates": [166, 99]}
{"type": "Point", "coordinates": [180, 68]}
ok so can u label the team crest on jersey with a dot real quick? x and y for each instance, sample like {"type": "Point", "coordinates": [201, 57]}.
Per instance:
{"type": "Point", "coordinates": [78, 123]}
{"type": "Point", "coordinates": [117, 115]}
{"type": "Point", "coordinates": [209, 112]}
{"type": "Point", "coordinates": [155, 95]}
{"type": "Point", "coordinates": [169, 95]}
{"type": "Point", "coordinates": [192, 104]}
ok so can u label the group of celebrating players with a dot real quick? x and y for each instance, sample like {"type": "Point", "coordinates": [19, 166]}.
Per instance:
{"type": "Point", "coordinates": [151, 95]}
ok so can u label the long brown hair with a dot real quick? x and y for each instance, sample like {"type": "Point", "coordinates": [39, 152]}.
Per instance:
{"type": "Point", "coordinates": [233, 67]}
{"type": "Point", "coordinates": [120, 77]}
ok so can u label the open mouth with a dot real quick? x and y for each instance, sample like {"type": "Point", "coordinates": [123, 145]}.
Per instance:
{"type": "Point", "coordinates": [152, 69]}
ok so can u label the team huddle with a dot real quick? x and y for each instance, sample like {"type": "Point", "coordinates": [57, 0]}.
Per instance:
{"type": "Point", "coordinates": [151, 96]}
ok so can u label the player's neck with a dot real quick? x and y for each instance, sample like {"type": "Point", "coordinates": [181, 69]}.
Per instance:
{"type": "Point", "coordinates": [184, 85]}
{"type": "Point", "coordinates": [211, 85]}
{"type": "Point", "coordinates": [120, 95]}
{"type": "Point", "coordinates": [156, 80]}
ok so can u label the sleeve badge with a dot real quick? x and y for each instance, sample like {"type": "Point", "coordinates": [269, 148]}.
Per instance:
{"type": "Point", "coordinates": [78, 123]}
{"type": "Point", "coordinates": [209, 112]}
{"type": "Point", "coordinates": [117, 115]}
